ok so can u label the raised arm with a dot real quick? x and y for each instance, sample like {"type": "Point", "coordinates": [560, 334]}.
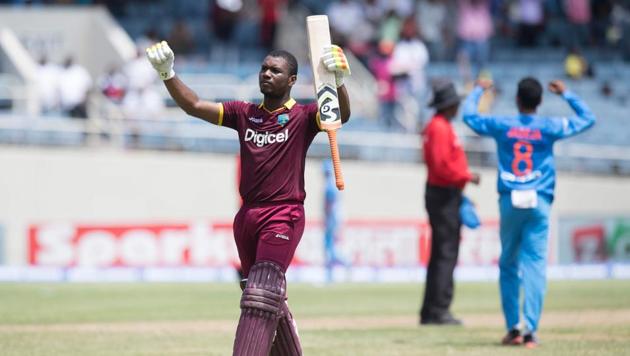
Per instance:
{"type": "Point", "coordinates": [566, 127]}
{"type": "Point", "coordinates": [481, 124]}
{"type": "Point", "coordinates": [162, 58]}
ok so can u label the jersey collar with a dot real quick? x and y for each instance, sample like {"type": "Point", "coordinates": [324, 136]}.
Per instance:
{"type": "Point", "coordinates": [288, 105]}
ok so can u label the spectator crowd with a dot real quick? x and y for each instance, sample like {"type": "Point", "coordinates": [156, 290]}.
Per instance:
{"type": "Point", "coordinates": [64, 89]}
{"type": "Point", "coordinates": [395, 39]}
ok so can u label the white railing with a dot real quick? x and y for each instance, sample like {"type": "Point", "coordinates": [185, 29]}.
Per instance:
{"type": "Point", "coordinates": [195, 135]}
{"type": "Point", "coordinates": [18, 80]}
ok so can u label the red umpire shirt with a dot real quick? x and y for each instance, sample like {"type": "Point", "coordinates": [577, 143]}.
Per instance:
{"type": "Point", "coordinates": [444, 156]}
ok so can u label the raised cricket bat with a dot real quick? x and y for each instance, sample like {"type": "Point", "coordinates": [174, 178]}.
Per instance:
{"type": "Point", "coordinates": [325, 88]}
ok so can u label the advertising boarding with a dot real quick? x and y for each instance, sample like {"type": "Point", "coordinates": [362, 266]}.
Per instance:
{"type": "Point", "coordinates": [386, 243]}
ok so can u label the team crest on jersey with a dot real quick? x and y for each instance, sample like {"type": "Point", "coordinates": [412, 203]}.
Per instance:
{"type": "Point", "coordinates": [283, 119]}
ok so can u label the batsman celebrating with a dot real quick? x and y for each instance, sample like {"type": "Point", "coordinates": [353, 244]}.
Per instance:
{"type": "Point", "coordinates": [526, 190]}
{"type": "Point", "coordinates": [274, 137]}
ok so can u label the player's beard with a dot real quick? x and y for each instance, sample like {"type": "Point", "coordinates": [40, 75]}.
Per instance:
{"type": "Point", "coordinates": [266, 89]}
{"type": "Point", "coordinates": [270, 91]}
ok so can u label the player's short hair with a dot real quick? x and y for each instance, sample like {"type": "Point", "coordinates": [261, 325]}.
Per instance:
{"type": "Point", "coordinates": [291, 61]}
{"type": "Point", "coordinates": [529, 93]}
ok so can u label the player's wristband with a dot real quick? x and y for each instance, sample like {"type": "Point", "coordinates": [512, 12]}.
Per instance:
{"type": "Point", "coordinates": [567, 94]}
{"type": "Point", "coordinates": [339, 79]}
{"type": "Point", "coordinates": [167, 75]}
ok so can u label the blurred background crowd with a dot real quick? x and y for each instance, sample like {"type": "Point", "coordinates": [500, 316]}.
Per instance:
{"type": "Point", "coordinates": [398, 47]}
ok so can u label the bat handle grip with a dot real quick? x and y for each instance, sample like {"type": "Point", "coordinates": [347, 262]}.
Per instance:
{"type": "Point", "coordinates": [334, 153]}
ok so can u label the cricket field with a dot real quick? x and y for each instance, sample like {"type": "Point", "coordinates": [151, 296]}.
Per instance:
{"type": "Point", "coordinates": [580, 318]}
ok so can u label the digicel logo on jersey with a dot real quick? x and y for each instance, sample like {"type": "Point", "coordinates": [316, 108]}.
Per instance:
{"type": "Point", "coordinates": [261, 139]}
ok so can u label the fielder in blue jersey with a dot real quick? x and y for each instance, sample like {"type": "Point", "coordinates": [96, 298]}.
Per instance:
{"type": "Point", "coordinates": [332, 220]}
{"type": "Point", "coordinates": [526, 186]}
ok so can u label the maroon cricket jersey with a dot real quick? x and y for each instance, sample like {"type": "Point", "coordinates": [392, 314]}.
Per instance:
{"type": "Point", "coordinates": [273, 148]}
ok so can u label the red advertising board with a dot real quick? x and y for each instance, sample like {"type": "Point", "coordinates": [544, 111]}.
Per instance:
{"type": "Point", "coordinates": [384, 243]}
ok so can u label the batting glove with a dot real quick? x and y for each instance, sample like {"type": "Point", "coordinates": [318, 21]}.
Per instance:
{"type": "Point", "coordinates": [335, 61]}
{"type": "Point", "coordinates": [162, 58]}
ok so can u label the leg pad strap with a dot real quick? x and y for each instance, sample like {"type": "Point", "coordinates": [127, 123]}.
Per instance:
{"type": "Point", "coordinates": [261, 299]}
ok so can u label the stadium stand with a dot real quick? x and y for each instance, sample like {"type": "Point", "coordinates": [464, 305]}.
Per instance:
{"type": "Point", "coordinates": [221, 70]}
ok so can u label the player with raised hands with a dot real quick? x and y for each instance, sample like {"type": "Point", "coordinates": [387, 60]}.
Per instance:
{"type": "Point", "coordinates": [274, 137]}
{"type": "Point", "coordinates": [526, 189]}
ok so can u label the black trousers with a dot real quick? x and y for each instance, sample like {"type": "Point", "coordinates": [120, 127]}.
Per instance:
{"type": "Point", "coordinates": [443, 207]}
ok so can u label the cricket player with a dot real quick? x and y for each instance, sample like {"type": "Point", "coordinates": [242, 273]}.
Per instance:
{"type": "Point", "coordinates": [332, 220]}
{"type": "Point", "coordinates": [526, 189]}
{"type": "Point", "coordinates": [274, 137]}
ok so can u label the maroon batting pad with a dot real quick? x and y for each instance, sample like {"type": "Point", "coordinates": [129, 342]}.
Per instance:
{"type": "Point", "coordinates": [287, 342]}
{"type": "Point", "coordinates": [261, 305]}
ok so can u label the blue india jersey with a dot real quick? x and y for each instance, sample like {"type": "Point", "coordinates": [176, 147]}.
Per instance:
{"type": "Point", "coordinates": [525, 142]}
{"type": "Point", "coordinates": [331, 196]}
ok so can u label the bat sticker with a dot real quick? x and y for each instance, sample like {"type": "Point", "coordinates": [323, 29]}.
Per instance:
{"type": "Point", "coordinates": [328, 104]}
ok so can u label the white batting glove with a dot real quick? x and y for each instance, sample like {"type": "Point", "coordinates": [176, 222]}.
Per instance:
{"type": "Point", "coordinates": [335, 61]}
{"type": "Point", "coordinates": [162, 58]}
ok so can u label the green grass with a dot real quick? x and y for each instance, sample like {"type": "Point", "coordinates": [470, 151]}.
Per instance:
{"type": "Point", "coordinates": [580, 318]}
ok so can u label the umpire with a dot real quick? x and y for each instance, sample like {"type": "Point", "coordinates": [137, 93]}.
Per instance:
{"type": "Point", "coordinates": [448, 173]}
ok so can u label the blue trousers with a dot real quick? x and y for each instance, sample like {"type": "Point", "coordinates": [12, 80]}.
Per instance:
{"type": "Point", "coordinates": [330, 250]}
{"type": "Point", "coordinates": [523, 261]}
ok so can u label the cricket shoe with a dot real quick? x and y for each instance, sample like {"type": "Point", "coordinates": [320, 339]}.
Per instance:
{"type": "Point", "coordinates": [444, 319]}
{"type": "Point", "coordinates": [513, 337]}
{"type": "Point", "coordinates": [530, 341]}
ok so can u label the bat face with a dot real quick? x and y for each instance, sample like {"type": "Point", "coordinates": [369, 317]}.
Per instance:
{"type": "Point", "coordinates": [324, 81]}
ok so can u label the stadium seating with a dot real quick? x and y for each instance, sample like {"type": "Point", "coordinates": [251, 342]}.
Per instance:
{"type": "Point", "coordinates": [237, 80]}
